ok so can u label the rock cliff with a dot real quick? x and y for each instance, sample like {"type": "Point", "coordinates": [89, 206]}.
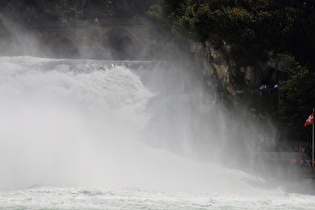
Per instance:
{"type": "Point", "coordinates": [222, 73]}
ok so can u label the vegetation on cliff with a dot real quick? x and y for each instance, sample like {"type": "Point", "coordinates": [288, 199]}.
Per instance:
{"type": "Point", "coordinates": [256, 31]}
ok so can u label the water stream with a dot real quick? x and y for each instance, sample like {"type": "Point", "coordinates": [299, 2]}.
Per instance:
{"type": "Point", "coordinates": [85, 134]}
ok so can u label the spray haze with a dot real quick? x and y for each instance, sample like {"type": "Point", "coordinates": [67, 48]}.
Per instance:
{"type": "Point", "coordinates": [116, 124]}
{"type": "Point", "coordinates": [93, 127]}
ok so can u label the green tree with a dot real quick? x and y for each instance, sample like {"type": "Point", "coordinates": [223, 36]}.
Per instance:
{"type": "Point", "coordinates": [69, 9]}
{"type": "Point", "coordinates": [299, 96]}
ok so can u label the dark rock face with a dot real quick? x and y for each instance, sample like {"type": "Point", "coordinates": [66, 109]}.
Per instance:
{"type": "Point", "coordinates": [219, 71]}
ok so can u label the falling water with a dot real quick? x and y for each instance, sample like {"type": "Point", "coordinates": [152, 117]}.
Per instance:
{"type": "Point", "coordinates": [103, 135]}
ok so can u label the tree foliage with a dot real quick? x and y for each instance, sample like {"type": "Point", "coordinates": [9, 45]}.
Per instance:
{"type": "Point", "coordinates": [299, 96]}
{"type": "Point", "coordinates": [43, 10]}
{"type": "Point", "coordinates": [254, 29]}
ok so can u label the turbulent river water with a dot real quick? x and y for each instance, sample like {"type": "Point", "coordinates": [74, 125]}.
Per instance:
{"type": "Point", "coordinates": [84, 134]}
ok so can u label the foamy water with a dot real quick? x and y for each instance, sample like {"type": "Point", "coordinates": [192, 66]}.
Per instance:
{"type": "Point", "coordinates": [86, 198]}
{"type": "Point", "coordinates": [97, 135]}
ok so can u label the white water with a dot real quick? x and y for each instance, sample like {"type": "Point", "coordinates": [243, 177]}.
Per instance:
{"type": "Point", "coordinates": [89, 135]}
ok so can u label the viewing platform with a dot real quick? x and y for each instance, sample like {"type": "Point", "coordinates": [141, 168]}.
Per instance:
{"type": "Point", "coordinates": [280, 164]}
{"type": "Point", "coordinates": [281, 156]}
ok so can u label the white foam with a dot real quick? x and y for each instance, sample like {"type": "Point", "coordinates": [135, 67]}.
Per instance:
{"type": "Point", "coordinates": [92, 127]}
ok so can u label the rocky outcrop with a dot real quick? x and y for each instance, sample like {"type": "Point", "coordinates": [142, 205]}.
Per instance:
{"type": "Point", "coordinates": [215, 68]}
{"type": "Point", "coordinates": [220, 72]}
